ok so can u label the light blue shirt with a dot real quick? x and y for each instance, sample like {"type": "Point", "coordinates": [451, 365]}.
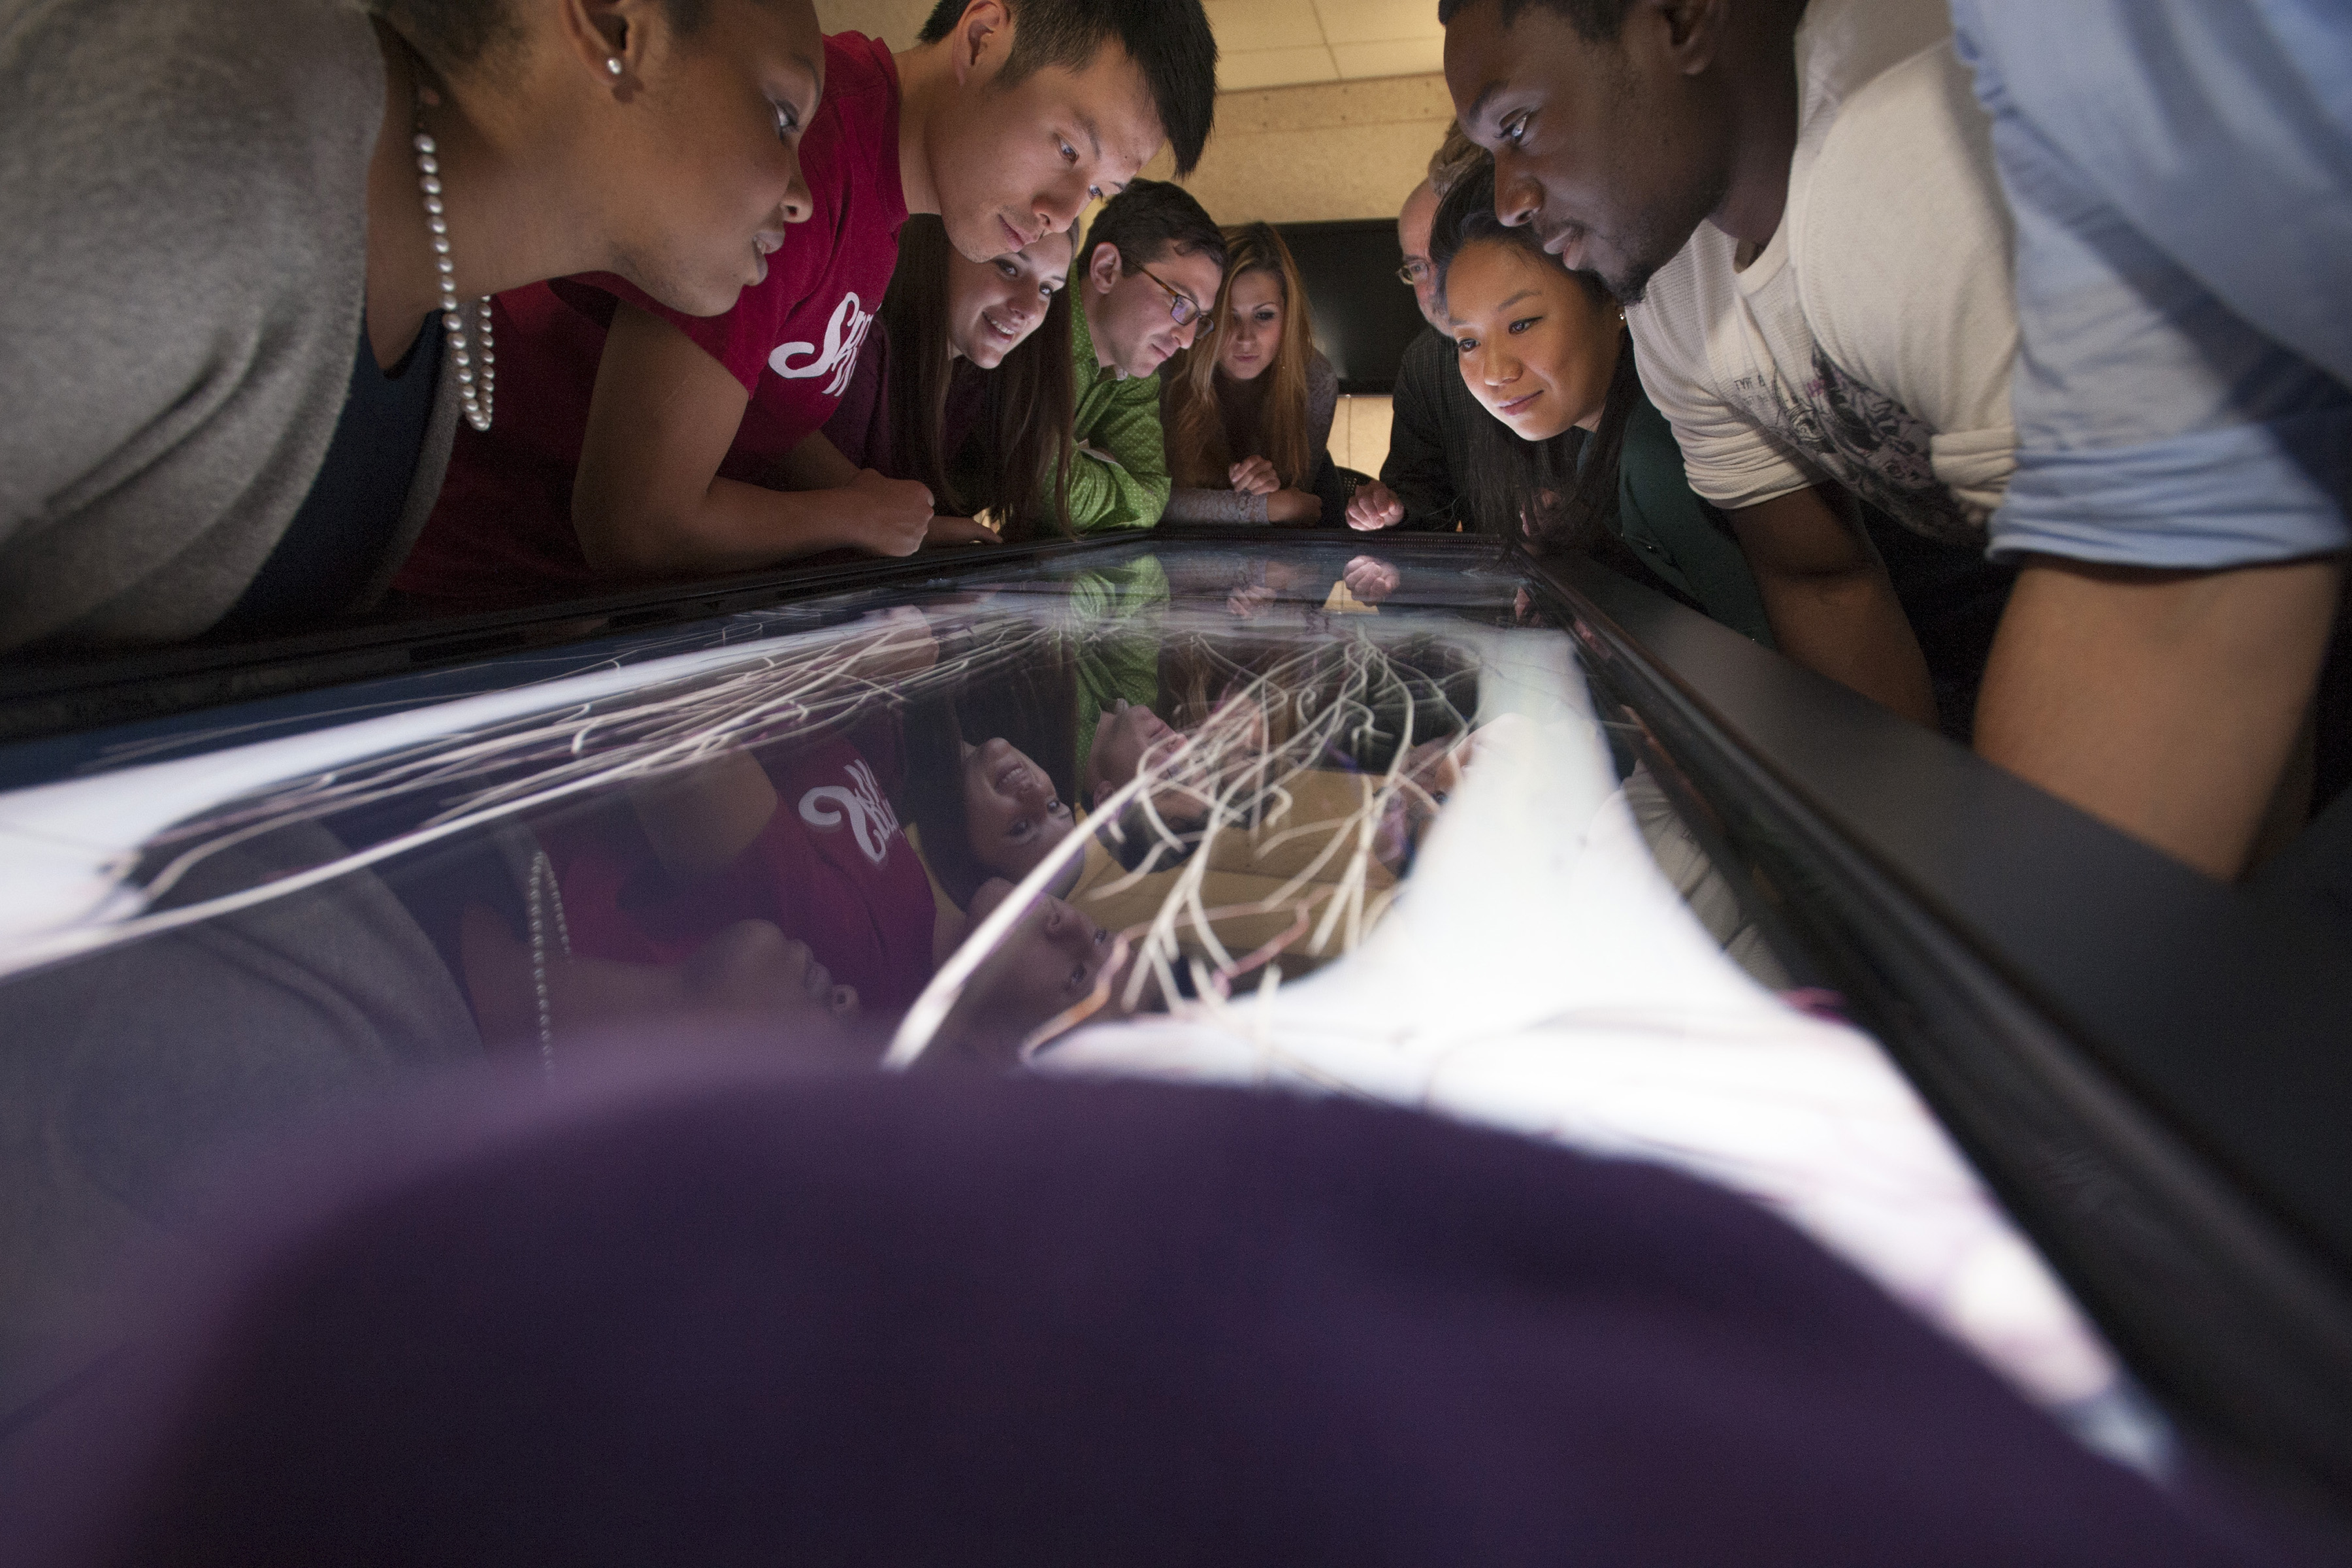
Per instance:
{"type": "Point", "coordinates": [2180, 172]}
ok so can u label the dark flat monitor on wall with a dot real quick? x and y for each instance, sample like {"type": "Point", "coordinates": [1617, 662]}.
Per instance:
{"type": "Point", "coordinates": [1364, 313]}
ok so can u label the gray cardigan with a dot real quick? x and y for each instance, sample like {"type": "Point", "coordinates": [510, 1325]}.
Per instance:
{"type": "Point", "coordinates": [1228, 505]}
{"type": "Point", "coordinates": [184, 246]}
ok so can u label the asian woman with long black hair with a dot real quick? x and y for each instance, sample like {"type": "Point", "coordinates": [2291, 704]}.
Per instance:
{"type": "Point", "coordinates": [1575, 458]}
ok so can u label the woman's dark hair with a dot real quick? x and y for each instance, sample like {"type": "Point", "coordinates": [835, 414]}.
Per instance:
{"type": "Point", "coordinates": [1025, 692]}
{"type": "Point", "coordinates": [1547, 492]}
{"type": "Point", "coordinates": [1020, 447]}
{"type": "Point", "coordinates": [930, 797]}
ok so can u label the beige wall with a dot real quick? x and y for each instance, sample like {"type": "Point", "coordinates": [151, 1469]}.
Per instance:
{"type": "Point", "coordinates": [1360, 434]}
{"type": "Point", "coordinates": [1315, 155]}
{"type": "Point", "coordinates": [895, 22]}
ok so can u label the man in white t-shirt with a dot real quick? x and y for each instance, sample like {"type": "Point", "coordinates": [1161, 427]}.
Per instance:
{"type": "Point", "coordinates": [1797, 205]}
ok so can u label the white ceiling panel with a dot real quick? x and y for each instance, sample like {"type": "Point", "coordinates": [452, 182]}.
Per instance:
{"type": "Point", "coordinates": [1378, 21]}
{"type": "Point", "coordinates": [1393, 57]}
{"type": "Point", "coordinates": [1276, 68]}
{"type": "Point", "coordinates": [1246, 26]}
{"type": "Point", "coordinates": [1265, 43]}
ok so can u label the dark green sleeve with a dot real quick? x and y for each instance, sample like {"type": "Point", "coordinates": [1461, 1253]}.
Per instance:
{"type": "Point", "coordinates": [1679, 536]}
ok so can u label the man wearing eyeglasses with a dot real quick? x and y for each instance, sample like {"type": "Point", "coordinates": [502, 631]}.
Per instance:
{"type": "Point", "coordinates": [1154, 259]}
{"type": "Point", "coordinates": [1432, 411]}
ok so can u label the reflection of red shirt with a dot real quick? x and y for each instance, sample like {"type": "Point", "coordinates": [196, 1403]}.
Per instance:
{"type": "Point", "coordinates": [503, 525]}
{"type": "Point", "coordinates": [831, 867]}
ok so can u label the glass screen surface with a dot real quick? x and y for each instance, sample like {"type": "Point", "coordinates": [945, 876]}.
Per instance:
{"type": "Point", "coordinates": [1303, 818]}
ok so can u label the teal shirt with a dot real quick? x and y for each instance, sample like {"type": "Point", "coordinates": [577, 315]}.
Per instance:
{"type": "Point", "coordinates": [1679, 536]}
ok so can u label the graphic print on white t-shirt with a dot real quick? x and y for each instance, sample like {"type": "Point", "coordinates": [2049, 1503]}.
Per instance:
{"type": "Point", "coordinates": [844, 334]}
{"type": "Point", "coordinates": [1865, 439]}
{"type": "Point", "coordinates": [1872, 341]}
{"type": "Point", "coordinates": [862, 805]}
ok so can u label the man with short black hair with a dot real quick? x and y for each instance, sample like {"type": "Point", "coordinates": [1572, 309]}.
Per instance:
{"type": "Point", "coordinates": [1796, 201]}
{"type": "Point", "coordinates": [1149, 272]}
{"type": "Point", "coordinates": [638, 437]}
{"type": "Point", "coordinates": [1168, 41]}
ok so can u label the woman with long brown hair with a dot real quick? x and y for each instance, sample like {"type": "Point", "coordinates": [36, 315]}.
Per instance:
{"type": "Point", "coordinates": [980, 403]}
{"type": "Point", "coordinates": [1248, 408]}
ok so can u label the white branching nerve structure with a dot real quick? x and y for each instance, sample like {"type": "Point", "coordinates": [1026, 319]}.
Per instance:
{"type": "Point", "coordinates": [1306, 708]}
{"type": "Point", "coordinates": [1306, 702]}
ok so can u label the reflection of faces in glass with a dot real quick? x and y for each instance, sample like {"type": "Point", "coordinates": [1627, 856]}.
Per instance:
{"type": "Point", "coordinates": [1049, 963]}
{"type": "Point", "coordinates": [749, 973]}
{"type": "Point", "coordinates": [1536, 349]}
{"type": "Point", "coordinates": [1010, 810]}
{"type": "Point", "coordinates": [1435, 772]}
{"type": "Point", "coordinates": [753, 968]}
{"type": "Point", "coordinates": [994, 305]}
{"type": "Point", "coordinates": [1252, 332]}
{"type": "Point", "coordinates": [1130, 314]}
{"type": "Point", "coordinates": [1122, 735]}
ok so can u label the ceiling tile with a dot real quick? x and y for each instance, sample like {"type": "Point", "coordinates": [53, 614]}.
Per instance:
{"type": "Point", "coordinates": [1406, 56]}
{"type": "Point", "coordinates": [895, 22]}
{"type": "Point", "coordinates": [1378, 21]}
{"type": "Point", "coordinates": [1247, 27]}
{"type": "Point", "coordinates": [1275, 67]}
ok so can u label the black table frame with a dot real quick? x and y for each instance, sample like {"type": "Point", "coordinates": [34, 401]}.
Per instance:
{"type": "Point", "coordinates": [2152, 1070]}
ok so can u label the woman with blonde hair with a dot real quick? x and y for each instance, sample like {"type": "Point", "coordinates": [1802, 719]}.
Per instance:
{"type": "Point", "coordinates": [1248, 408]}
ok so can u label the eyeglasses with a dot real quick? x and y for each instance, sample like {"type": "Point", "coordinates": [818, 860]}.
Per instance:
{"type": "Point", "coordinates": [1180, 304]}
{"type": "Point", "coordinates": [1415, 273]}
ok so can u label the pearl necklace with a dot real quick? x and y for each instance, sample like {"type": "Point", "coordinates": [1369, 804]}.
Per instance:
{"type": "Point", "coordinates": [477, 390]}
{"type": "Point", "coordinates": [543, 890]}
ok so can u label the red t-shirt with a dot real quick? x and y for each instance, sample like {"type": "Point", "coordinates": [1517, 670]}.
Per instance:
{"type": "Point", "coordinates": [502, 528]}
{"type": "Point", "coordinates": [832, 868]}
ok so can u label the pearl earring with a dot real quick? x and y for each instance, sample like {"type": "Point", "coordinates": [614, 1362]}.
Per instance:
{"type": "Point", "coordinates": [613, 65]}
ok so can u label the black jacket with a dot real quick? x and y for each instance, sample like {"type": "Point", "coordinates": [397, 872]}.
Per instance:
{"type": "Point", "coordinates": [1429, 441]}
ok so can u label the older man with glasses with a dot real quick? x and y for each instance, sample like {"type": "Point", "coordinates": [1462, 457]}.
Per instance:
{"type": "Point", "coordinates": [1433, 411]}
{"type": "Point", "coordinates": [1150, 269]}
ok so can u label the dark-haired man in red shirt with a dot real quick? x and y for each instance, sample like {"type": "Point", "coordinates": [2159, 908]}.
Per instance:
{"type": "Point", "coordinates": [630, 436]}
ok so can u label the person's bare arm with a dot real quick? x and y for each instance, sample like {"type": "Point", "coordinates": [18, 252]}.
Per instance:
{"type": "Point", "coordinates": [816, 464]}
{"type": "Point", "coordinates": [2165, 703]}
{"type": "Point", "coordinates": [1293, 507]}
{"type": "Point", "coordinates": [648, 501]}
{"type": "Point", "coordinates": [699, 819]}
{"type": "Point", "coordinates": [1831, 606]}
